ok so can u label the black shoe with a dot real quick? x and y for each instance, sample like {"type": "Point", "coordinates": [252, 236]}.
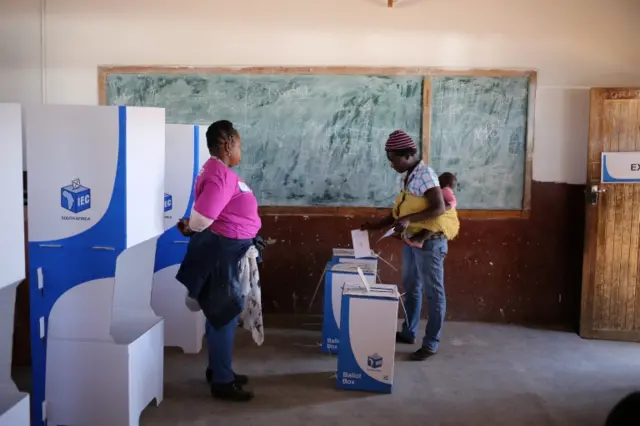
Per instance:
{"type": "Point", "coordinates": [231, 392]}
{"type": "Point", "coordinates": [240, 379]}
{"type": "Point", "coordinates": [422, 354]}
{"type": "Point", "coordinates": [401, 338]}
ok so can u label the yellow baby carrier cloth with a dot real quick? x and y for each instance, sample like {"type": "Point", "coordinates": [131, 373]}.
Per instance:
{"type": "Point", "coordinates": [447, 223]}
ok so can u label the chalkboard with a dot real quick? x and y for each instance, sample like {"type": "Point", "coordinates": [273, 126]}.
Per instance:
{"type": "Point", "coordinates": [308, 140]}
{"type": "Point", "coordinates": [479, 131]}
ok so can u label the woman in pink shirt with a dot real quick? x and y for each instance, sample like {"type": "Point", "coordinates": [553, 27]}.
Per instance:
{"type": "Point", "coordinates": [223, 227]}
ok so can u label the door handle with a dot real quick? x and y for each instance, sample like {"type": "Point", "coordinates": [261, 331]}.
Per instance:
{"type": "Point", "coordinates": [594, 194]}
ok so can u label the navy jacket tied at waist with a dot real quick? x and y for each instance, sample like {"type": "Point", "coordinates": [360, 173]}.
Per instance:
{"type": "Point", "coordinates": [210, 272]}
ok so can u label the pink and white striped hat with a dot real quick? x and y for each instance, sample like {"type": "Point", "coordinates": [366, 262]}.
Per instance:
{"type": "Point", "coordinates": [399, 140]}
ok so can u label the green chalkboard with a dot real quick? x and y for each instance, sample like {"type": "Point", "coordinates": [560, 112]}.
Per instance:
{"type": "Point", "coordinates": [318, 140]}
{"type": "Point", "coordinates": [308, 140]}
{"type": "Point", "coordinates": [479, 131]}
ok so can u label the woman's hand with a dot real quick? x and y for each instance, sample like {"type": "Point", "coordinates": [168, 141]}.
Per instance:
{"type": "Point", "coordinates": [183, 227]}
{"type": "Point", "coordinates": [378, 224]}
{"type": "Point", "coordinates": [400, 225]}
{"type": "Point", "coordinates": [368, 226]}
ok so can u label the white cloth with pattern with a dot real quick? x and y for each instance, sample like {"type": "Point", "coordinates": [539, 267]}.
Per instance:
{"type": "Point", "coordinates": [249, 278]}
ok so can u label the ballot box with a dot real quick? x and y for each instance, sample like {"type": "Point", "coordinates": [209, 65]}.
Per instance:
{"type": "Point", "coordinates": [368, 321]}
{"type": "Point", "coordinates": [336, 277]}
{"type": "Point", "coordinates": [346, 255]}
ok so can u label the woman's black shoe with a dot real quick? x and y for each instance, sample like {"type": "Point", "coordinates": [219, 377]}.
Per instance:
{"type": "Point", "coordinates": [240, 379]}
{"type": "Point", "coordinates": [422, 354]}
{"type": "Point", "coordinates": [231, 392]}
{"type": "Point", "coordinates": [401, 338]}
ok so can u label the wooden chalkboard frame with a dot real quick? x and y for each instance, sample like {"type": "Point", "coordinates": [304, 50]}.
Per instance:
{"type": "Point", "coordinates": [425, 72]}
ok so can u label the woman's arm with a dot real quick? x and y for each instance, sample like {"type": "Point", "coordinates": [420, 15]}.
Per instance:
{"type": "Point", "coordinates": [436, 207]}
{"type": "Point", "coordinates": [198, 222]}
{"type": "Point", "coordinates": [214, 197]}
{"type": "Point", "coordinates": [378, 224]}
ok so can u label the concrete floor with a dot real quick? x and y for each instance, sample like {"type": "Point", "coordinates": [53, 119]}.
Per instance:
{"type": "Point", "coordinates": [484, 375]}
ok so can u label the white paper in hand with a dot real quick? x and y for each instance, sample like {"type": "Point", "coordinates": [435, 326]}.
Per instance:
{"type": "Point", "coordinates": [360, 240]}
{"type": "Point", "coordinates": [387, 234]}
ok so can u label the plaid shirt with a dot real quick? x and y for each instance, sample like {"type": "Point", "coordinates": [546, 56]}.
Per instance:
{"type": "Point", "coordinates": [422, 179]}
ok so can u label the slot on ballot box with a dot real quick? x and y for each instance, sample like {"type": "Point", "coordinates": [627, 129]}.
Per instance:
{"type": "Point", "coordinates": [368, 321]}
{"type": "Point", "coordinates": [337, 276]}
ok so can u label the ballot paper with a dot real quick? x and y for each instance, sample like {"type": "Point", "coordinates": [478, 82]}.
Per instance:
{"type": "Point", "coordinates": [363, 279]}
{"type": "Point", "coordinates": [360, 240]}
{"type": "Point", "coordinates": [387, 234]}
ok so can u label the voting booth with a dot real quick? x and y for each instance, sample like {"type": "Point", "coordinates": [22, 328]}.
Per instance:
{"type": "Point", "coordinates": [368, 322]}
{"type": "Point", "coordinates": [14, 405]}
{"type": "Point", "coordinates": [336, 277]}
{"type": "Point", "coordinates": [186, 152]}
{"type": "Point", "coordinates": [95, 193]}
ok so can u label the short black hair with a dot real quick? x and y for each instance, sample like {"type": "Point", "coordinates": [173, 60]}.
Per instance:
{"type": "Point", "coordinates": [446, 179]}
{"type": "Point", "coordinates": [626, 412]}
{"type": "Point", "coordinates": [220, 132]}
{"type": "Point", "coordinates": [405, 152]}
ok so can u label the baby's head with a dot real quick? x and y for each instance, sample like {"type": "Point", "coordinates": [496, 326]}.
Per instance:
{"type": "Point", "coordinates": [448, 180]}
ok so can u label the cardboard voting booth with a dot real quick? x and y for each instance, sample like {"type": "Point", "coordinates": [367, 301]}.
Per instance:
{"type": "Point", "coordinates": [14, 405]}
{"type": "Point", "coordinates": [12, 256]}
{"type": "Point", "coordinates": [368, 324]}
{"type": "Point", "coordinates": [345, 255]}
{"type": "Point", "coordinates": [95, 194]}
{"type": "Point", "coordinates": [186, 152]}
{"type": "Point", "coordinates": [336, 277]}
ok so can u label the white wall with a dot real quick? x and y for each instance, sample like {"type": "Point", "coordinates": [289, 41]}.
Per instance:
{"type": "Point", "coordinates": [574, 44]}
{"type": "Point", "coordinates": [20, 53]}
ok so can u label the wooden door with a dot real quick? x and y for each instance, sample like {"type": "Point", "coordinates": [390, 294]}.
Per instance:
{"type": "Point", "coordinates": [611, 277]}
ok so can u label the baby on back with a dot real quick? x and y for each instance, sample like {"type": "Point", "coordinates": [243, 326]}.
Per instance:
{"type": "Point", "coordinates": [447, 185]}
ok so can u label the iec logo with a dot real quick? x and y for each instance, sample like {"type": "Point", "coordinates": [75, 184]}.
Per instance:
{"type": "Point", "coordinates": [168, 202]}
{"type": "Point", "coordinates": [75, 197]}
{"type": "Point", "coordinates": [374, 361]}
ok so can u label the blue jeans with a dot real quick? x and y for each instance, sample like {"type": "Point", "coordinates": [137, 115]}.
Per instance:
{"type": "Point", "coordinates": [220, 345]}
{"type": "Point", "coordinates": [423, 271]}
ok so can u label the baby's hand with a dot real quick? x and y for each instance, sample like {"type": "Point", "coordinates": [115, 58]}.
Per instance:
{"type": "Point", "coordinates": [410, 243]}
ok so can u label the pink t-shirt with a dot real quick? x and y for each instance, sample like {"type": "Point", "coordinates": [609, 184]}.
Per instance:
{"type": "Point", "coordinates": [449, 197]}
{"type": "Point", "coordinates": [222, 196]}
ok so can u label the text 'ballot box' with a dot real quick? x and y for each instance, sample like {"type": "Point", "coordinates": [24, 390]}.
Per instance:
{"type": "Point", "coordinates": [336, 277]}
{"type": "Point", "coordinates": [368, 338]}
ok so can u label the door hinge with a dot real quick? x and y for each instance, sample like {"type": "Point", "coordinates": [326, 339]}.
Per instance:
{"type": "Point", "coordinates": [594, 194]}
{"type": "Point", "coordinates": [40, 280]}
{"type": "Point", "coordinates": [42, 328]}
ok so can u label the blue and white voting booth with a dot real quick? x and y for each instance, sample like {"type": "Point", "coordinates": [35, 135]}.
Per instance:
{"type": "Point", "coordinates": [369, 318]}
{"type": "Point", "coordinates": [95, 195]}
{"type": "Point", "coordinates": [337, 276]}
{"type": "Point", "coordinates": [186, 152]}
{"type": "Point", "coordinates": [14, 405]}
